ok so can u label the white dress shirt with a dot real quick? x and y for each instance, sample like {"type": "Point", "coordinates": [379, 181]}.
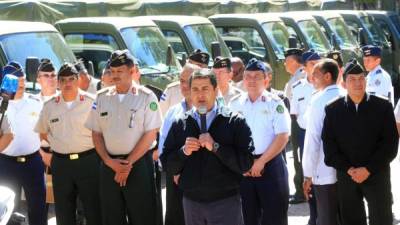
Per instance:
{"type": "Point", "coordinates": [302, 92]}
{"type": "Point", "coordinates": [313, 156]}
{"type": "Point", "coordinates": [379, 82]}
{"type": "Point", "coordinates": [23, 115]}
{"type": "Point", "coordinates": [266, 117]}
{"type": "Point", "coordinates": [299, 74]}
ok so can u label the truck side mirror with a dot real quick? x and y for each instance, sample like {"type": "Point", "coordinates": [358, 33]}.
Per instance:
{"type": "Point", "coordinates": [362, 37]}
{"type": "Point", "coordinates": [169, 56]}
{"type": "Point", "coordinates": [31, 68]}
{"type": "Point", "coordinates": [335, 42]}
{"type": "Point", "coordinates": [215, 49]}
{"type": "Point", "coordinates": [293, 41]}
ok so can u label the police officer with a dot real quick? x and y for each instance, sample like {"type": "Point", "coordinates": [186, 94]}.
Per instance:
{"type": "Point", "coordinates": [379, 81]}
{"type": "Point", "coordinates": [294, 66]}
{"type": "Point", "coordinates": [316, 173]}
{"type": "Point", "coordinates": [172, 94]}
{"type": "Point", "coordinates": [360, 140]}
{"type": "Point", "coordinates": [124, 121]}
{"type": "Point", "coordinates": [210, 151]}
{"type": "Point", "coordinates": [302, 91]}
{"type": "Point", "coordinates": [74, 162]}
{"type": "Point", "coordinates": [20, 163]}
{"type": "Point", "coordinates": [223, 72]}
{"type": "Point", "coordinates": [265, 189]}
{"type": "Point", "coordinates": [337, 56]}
{"type": "Point", "coordinates": [174, 209]}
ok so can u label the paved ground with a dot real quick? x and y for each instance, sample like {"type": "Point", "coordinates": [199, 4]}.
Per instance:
{"type": "Point", "coordinates": [298, 214]}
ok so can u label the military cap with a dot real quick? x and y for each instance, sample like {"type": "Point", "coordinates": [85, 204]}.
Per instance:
{"type": "Point", "coordinates": [221, 62]}
{"type": "Point", "coordinates": [200, 57]}
{"type": "Point", "coordinates": [293, 51]}
{"type": "Point", "coordinates": [9, 69]}
{"type": "Point", "coordinates": [337, 56]}
{"type": "Point", "coordinates": [15, 64]}
{"type": "Point", "coordinates": [371, 50]}
{"type": "Point", "coordinates": [107, 65]}
{"type": "Point", "coordinates": [67, 69]}
{"type": "Point", "coordinates": [255, 65]}
{"type": "Point", "coordinates": [353, 67]}
{"type": "Point", "coordinates": [80, 66]}
{"type": "Point", "coordinates": [310, 55]}
{"type": "Point", "coordinates": [121, 57]}
{"type": "Point", "coordinates": [46, 65]}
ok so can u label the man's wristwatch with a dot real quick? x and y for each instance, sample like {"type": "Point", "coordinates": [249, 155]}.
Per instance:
{"type": "Point", "coordinates": [215, 147]}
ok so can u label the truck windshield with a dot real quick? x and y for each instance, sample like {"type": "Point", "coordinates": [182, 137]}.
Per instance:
{"type": "Point", "coordinates": [315, 38]}
{"type": "Point", "coordinates": [51, 45]}
{"type": "Point", "coordinates": [396, 21]}
{"type": "Point", "coordinates": [343, 34]}
{"type": "Point", "coordinates": [201, 36]}
{"type": "Point", "coordinates": [376, 33]}
{"type": "Point", "coordinates": [150, 47]}
{"type": "Point", "coordinates": [278, 34]}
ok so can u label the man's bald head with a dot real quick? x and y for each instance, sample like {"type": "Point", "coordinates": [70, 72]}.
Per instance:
{"type": "Point", "coordinates": [237, 69]}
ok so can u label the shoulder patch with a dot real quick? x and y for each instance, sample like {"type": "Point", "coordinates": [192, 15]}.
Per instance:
{"type": "Point", "coordinates": [280, 109]}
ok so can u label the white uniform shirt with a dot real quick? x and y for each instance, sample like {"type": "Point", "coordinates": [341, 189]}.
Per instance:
{"type": "Point", "coordinates": [313, 156]}
{"type": "Point", "coordinates": [171, 96]}
{"type": "Point", "coordinates": [397, 112]}
{"type": "Point", "coordinates": [379, 82]}
{"type": "Point", "coordinates": [172, 114]}
{"type": "Point", "coordinates": [302, 92]}
{"type": "Point", "coordinates": [23, 115]}
{"type": "Point", "coordinates": [299, 74]}
{"type": "Point", "coordinates": [266, 117]}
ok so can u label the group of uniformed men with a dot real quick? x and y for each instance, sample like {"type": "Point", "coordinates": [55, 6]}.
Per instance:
{"type": "Point", "coordinates": [221, 142]}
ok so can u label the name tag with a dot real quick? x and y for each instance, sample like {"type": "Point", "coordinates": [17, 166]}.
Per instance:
{"type": "Point", "coordinates": [104, 114]}
{"type": "Point", "coordinates": [54, 120]}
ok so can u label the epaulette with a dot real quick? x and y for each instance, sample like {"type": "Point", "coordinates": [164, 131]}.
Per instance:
{"type": "Point", "coordinates": [104, 91]}
{"type": "Point", "coordinates": [34, 97]}
{"type": "Point", "coordinates": [55, 98]}
{"type": "Point", "coordinates": [334, 100]}
{"type": "Point", "coordinates": [175, 83]}
{"type": "Point", "coordinates": [314, 92]}
{"type": "Point", "coordinates": [378, 71]}
{"type": "Point", "coordinates": [296, 84]}
{"type": "Point", "coordinates": [144, 89]}
{"type": "Point", "coordinates": [234, 98]}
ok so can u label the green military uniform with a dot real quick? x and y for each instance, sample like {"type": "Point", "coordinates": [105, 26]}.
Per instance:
{"type": "Point", "coordinates": [75, 162]}
{"type": "Point", "coordinates": [122, 123]}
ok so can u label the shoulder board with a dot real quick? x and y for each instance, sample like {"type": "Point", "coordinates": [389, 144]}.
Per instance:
{"type": "Point", "coordinates": [89, 95]}
{"type": "Point", "coordinates": [144, 89]}
{"type": "Point", "coordinates": [176, 83]}
{"type": "Point", "coordinates": [378, 71]}
{"type": "Point", "coordinates": [296, 84]}
{"type": "Point", "coordinates": [314, 92]}
{"type": "Point", "coordinates": [236, 97]}
{"type": "Point", "coordinates": [334, 100]}
{"type": "Point", "coordinates": [34, 97]}
{"type": "Point", "coordinates": [55, 98]}
{"type": "Point", "coordinates": [104, 91]}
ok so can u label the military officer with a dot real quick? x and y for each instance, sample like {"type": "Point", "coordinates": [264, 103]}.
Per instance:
{"type": "Point", "coordinates": [237, 72]}
{"type": "Point", "coordinates": [337, 56]}
{"type": "Point", "coordinates": [172, 94]}
{"type": "Point", "coordinates": [223, 71]}
{"type": "Point", "coordinates": [316, 172]}
{"type": "Point", "coordinates": [379, 81]}
{"type": "Point", "coordinates": [74, 162]}
{"type": "Point", "coordinates": [20, 163]}
{"type": "Point", "coordinates": [124, 121]}
{"type": "Point", "coordinates": [86, 81]}
{"type": "Point", "coordinates": [265, 189]}
{"type": "Point", "coordinates": [360, 140]}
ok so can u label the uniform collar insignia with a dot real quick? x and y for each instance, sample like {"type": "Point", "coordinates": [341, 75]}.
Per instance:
{"type": "Point", "coordinates": [58, 99]}
{"type": "Point", "coordinates": [81, 98]}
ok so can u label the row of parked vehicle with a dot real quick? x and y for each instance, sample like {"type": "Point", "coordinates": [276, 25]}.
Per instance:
{"type": "Point", "coordinates": [162, 43]}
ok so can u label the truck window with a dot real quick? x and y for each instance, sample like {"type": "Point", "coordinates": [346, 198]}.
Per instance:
{"type": "Point", "coordinates": [315, 38]}
{"type": "Point", "coordinates": [396, 21]}
{"type": "Point", "coordinates": [376, 32]}
{"type": "Point", "coordinates": [249, 35]}
{"type": "Point", "coordinates": [94, 47]}
{"type": "Point", "coordinates": [343, 34]}
{"type": "Point", "coordinates": [278, 35]}
{"type": "Point", "coordinates": [17, 47]}
{"type": "Point", "coordinates": [175, 40]}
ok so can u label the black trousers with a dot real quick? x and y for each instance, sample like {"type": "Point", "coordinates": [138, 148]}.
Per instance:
{"type": "Point", "coordinates": [376, 190]}
{"type": "Point", "coordinates": [265, 199]}
{"type": "Point", "coordinates": [133, 204]}
{"type": "Point", "coordinates": [73, 178]}
{"type": "Point", "coordinates": [327, 205]}
{"type": "Point", "coordinates": [295, 139]}
{"type": "Point", "coordinates": [28, 175]}
{"type": "Point", "coordinates": [174, 209]}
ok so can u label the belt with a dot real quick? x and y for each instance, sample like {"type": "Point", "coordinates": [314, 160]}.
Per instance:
{"type": "Point", "coordinates": [19, 159]}
{"type": "Point", "coordinates": [119, 156]}
{"type": "Point", "coordinates": [74, 156]}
